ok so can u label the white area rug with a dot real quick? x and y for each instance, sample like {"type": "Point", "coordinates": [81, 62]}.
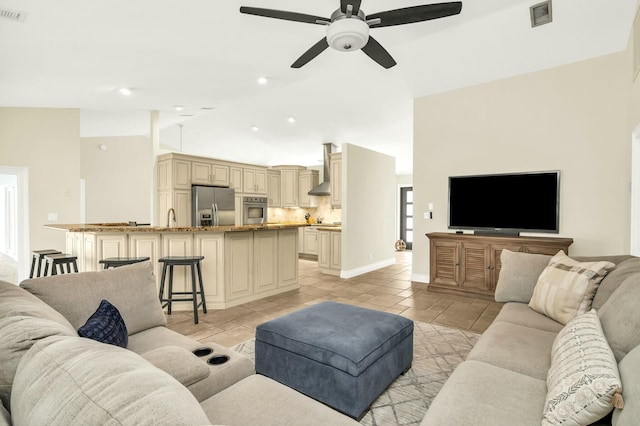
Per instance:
{"type": "Point", "coordinates": [437, 350]}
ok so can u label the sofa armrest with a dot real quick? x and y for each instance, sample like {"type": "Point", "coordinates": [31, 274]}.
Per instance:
{"type": "Point", "coordinates": [180, 363]}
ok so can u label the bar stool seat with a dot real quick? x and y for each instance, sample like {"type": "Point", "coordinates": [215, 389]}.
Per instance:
{"type": "Point", "coordinates": [194, 263]}
{"type": "Point", "coordinates": [37, 258]}
{"type": "Point", "coordinates": [58, 262]}
{"type": "Point", "coordinates": [114, 262]}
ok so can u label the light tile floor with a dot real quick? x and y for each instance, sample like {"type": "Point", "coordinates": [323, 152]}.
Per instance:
{"type": "Point", "coordinates": [389, 289]}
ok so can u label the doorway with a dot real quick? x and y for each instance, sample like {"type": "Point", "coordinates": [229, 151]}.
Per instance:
{"type": "Point", "coordinates": [406, 215]}
{"type": "Point", "coordinates": [14, 219]}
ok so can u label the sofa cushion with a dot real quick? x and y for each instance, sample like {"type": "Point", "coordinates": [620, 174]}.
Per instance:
{"type": "Point", "coordinates": [628, 368]}
{"type": "Point", "coordinates": [614, 278]}
{"type": "Point", "coordinates": [515, 347]}
{"type": "Point", "coordinates": [106, 326]}
{"type": "Point", "coordinates": [566, 287]}
{"type": "Point", "coordinates": [258, 400]}
{"type": "Point", "coordinates": [131, 288]}
{"type": "Point", "coordinates": [522, 314]}
{"type": "Point", "coordinates": [17, 301]}
{"type": "Point", "coordinates": [17, 335]}
{"type": "Point", "coordinates": [583, 380]}
{"type": "Point", "coordinates": [180, 363]}
{"type": "Point", "coordinates": [620, 317]}
{"type": "Point", "coordinates": [221, 376]}
{"type": "Point", "coordinates": [481, 394]}
{"type": "Point", "coordinates": [519, 274]}
{"type": "Point", "coordinates": [73, 380]}
{"type": "Point", "coordinates": [5, 417]}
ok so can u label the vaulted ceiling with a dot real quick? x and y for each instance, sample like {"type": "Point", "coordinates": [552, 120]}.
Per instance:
{"type": "Point", "coordinates": [205, 56]}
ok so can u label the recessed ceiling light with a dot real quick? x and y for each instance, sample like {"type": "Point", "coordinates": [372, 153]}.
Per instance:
{"type": "Point", "coordinates": [262, 81]}
{"type": "Point", "coordinates": [255, 128]}
{"type": "Point", "coordinates": [178, 107]}
{"type": "Point", "coordinates": [291, 119]}
{"type": "Point", "coordinates": [125, 91]}
{"type": "Point", "coordinates": [206, 108]}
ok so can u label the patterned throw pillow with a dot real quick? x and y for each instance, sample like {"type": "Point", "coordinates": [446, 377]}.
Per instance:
{"type": "Point", "coordinates": [583, 383]}
{"type": "Point", "coordinates": [566, 287]}
{"type": "Point", "coordinates": [106, 325]}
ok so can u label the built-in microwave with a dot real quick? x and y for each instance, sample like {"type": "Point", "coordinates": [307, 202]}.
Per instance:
{"type": "Point", "coordinates": [254, 210]}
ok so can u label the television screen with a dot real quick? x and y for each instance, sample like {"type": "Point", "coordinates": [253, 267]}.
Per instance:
{"type": "Point", "coordinates": [510, 203]}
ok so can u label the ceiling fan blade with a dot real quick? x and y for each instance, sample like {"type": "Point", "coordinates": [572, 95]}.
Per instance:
{"type": "Point", "coordinates": [314, 51]}
{"type": "Point", "coordinates": [375, 51]}
{"type": "Point", "coordinates": [409, 15]}
{"type": "Point", "coordinates": [283, 14]}
{"type": "Point", "coordinates": [354, 3]}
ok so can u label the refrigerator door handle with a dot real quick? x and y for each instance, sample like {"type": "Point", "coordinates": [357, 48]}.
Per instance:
{"type": "Point", "coordinates": [215, 214]}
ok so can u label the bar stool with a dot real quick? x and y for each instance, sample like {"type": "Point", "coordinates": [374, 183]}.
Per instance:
{"type": "Point", "coordinates": [58, 261]}
{"type": "Point", "coordinates": [37, 257]}
{"type": "Point", "coordinates": [194, 262]}
{"type": "Point", "coordinates": [114, 262]}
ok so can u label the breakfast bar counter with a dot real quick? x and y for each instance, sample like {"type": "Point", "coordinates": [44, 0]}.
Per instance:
{"type": "Point", "coordinates": [241, 263]}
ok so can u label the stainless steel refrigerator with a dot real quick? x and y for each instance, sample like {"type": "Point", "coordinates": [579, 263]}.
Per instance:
{"type": "Point", "coordinates": [212, 206]}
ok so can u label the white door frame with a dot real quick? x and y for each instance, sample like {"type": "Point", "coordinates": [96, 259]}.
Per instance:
{"type": "Point", "coordinates": [22, 189]}
{"type": "Point", "coordinates": [635, 192]}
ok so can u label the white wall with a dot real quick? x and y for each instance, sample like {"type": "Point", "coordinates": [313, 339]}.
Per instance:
{"type": "Point", "coordinates": [572, 118]}
{"type": "Point", "coordinates": [368, 210]}
{"type": "Point", "coordinates": [118, 179]}
{"type": "Point", "coordinates": [47, 141]}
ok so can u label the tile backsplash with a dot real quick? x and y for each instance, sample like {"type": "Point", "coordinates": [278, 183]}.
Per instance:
{"type": "Point", "coordinates": [324, 210]}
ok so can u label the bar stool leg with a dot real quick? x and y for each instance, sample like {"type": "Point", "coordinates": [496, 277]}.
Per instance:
{"type": "Point", "coordinates": [170, 299]}
{"type": "Point", "coordinates": [204, 303]}
{"type": "Point", "coordinates": [53, 268]}
{"type": "Point", "coordinates": [75, 265]}
{"type": "Point", "coordinates": [33, 266]}
{"type": "Point", "coordinates": [194, 292]}
{"type": "Point", "coordinates": [164, 274]}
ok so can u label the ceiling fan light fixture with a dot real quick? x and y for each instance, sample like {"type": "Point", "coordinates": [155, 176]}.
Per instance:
{"type": "Point", "coordinates": [348, 34]}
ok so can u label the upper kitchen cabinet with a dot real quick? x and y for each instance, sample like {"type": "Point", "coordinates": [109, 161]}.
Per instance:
{"type": "Point", "coordinates": [274, 198]}
{"type": "Point", "coordinates": [235, 180]}
{"type": "Point", "coordinates": [290, 185]}
{"type": "Point", "coordinates": [209, 173]}
{"type": "Point", "coordinates": [336, 180]}
{"type": "Point", "coordinates": [255, 180]}
{"type": "Point", "coordinates": [307, 180]}
{"type": "Point", "coordinates": [173, 173]}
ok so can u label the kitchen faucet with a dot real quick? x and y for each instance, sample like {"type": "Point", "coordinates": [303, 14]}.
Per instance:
{"type": "Point", "coordinates": [169, 215]}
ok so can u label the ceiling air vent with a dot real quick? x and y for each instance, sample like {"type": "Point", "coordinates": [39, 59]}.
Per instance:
{"type": "Point", "coordinates": [540, 14]}
{"type": "Point", "coordinates": [14, 15]}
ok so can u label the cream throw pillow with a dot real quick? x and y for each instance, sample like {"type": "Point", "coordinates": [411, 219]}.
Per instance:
{"type": "Point", "coordinates": [566, 287]}
{"type": "Point", "coordinates": [583, 383]}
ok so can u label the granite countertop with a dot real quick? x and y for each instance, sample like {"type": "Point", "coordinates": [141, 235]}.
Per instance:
{"type": "Point", "coordinates": [126, 228]}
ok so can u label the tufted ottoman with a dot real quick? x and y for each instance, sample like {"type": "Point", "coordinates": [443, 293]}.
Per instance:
{"type": "Point", "coordinates": [342, 355]}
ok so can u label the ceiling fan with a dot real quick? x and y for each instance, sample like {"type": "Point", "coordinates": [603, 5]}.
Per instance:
{"type": "Point", "coordinates": [348, 27]}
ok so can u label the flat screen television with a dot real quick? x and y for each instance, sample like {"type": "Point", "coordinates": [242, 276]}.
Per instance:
{"type": "Point", "coordinates": [507, 203]}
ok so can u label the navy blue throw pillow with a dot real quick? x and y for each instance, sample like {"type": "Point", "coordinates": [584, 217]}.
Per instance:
{"type": "Point", "coordinates": [106, 325]}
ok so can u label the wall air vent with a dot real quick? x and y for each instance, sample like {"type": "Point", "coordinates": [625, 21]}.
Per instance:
{"type": "Point", "coordinates": [540, 14]}
{"type": "Point", "coordinates": [14, 15]}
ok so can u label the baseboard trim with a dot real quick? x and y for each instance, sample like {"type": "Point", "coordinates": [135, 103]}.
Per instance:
{"type": "Point", "coordinates": [420, 278]}
{"type": "Point", "coordinates": [367, 268]}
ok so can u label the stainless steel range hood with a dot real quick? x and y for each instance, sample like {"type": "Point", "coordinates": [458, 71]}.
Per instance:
{"type": "Point", "coordinates": [324, 188]}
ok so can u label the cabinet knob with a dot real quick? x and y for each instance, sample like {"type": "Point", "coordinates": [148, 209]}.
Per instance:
{"type": "Point", "coordinates": [489, 267]}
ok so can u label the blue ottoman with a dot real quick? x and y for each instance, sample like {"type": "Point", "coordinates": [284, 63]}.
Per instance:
{"type": "Point", "coordinates": [342, 355]}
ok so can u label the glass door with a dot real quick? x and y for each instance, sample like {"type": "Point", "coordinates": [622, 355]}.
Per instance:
{"type": "Point", "coordinates": [406, 216]}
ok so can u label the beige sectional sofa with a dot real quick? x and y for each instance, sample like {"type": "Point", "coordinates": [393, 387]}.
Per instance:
{"type": "Point", "coordinates": [503, 381]}
{"type": "Point", "coordinates": [51, 376]}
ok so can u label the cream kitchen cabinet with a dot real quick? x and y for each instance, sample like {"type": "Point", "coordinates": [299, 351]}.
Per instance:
{"type": "Point", "coordinates": [336, 180]}
{"type": "Point", "coordinates": [239, 212]}
{"type": "Point", "coordinates": [209, 173]}
{"type": "Point", "coordinates": [310, 241]}
{"type": "Point", "coordinates": [330, 252]}
{"type": "Point", "coordinates": [288, 258]}
{"type": "Point", "coordinates": [290, 185]}
{"type": "Point", "coordinates": [307, 180]}
{"type": "Point", "coordinates": [235, 178]}
{"type": "Point", "coordinates": [274, 188]}
{"type": "Point", "coordinates": [174, 174]}
{"type": "Point", "coordinates": [265, 261]}
{"type": "Point", "coordinates": [254, 181]}
{"type": "Point", "coordinates": [211, 246]}
{"type": "Point", "coordinates": [238, 265]}
{"type": "Point", "coordinates": [147, 244]}
{"type": "Point", "coordinates": [180, 201]}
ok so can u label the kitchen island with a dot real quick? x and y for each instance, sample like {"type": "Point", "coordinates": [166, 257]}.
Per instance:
{"type": "Point", "coordinates": [241, 263]}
